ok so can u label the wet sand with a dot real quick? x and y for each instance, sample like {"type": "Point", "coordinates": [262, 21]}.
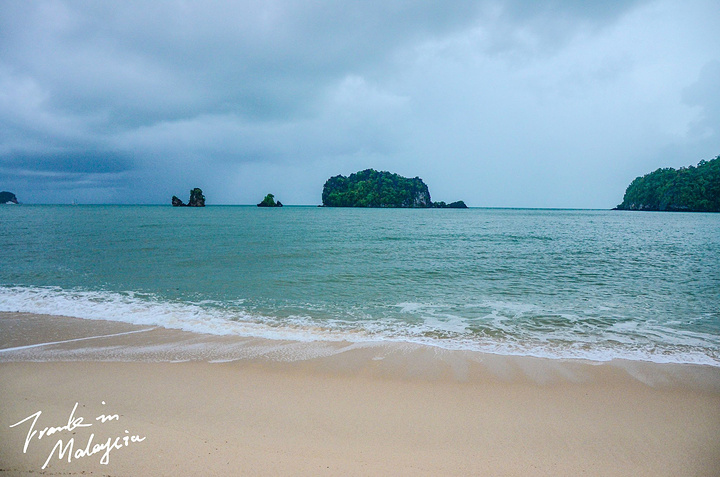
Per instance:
{"type": "Point", "coordinates": [212, 405]}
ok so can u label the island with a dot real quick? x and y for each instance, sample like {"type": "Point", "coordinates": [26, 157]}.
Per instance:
{"type": "Point", "coordinates": [371, 188]}
{"type": "Point", "coordinates": [7, 198]}
{"type": "Point", "coordinates": [688, 189]}
{"type": "Point", "coordinates": [269, 201]}
{"type": "Point", "coordinates": [197, 199]}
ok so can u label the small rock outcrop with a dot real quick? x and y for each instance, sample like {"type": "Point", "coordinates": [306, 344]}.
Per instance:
{"type": "Point", "coordinates": [269, 201]}
{"type": "Point", "coordinates": [452, 205]}
{"type": "Point", "coordinates": [197, 199]}
{"type": "Point", "coordinates": [8, 198]}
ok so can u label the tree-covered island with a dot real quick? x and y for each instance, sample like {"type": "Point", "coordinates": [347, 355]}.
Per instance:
{"type": "Point", "coordinates": [688, 189]}
{"type": "Point", "coordinates": [371, 188]}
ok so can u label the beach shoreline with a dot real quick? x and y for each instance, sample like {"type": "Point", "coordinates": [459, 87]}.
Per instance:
{"type": "Point", "coordinates": [218, 405]}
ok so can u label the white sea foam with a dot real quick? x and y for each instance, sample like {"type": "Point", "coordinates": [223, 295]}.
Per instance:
{"type": "Point", "coordinates": [503, 329]}
{"type": "Point", "coordinates": [146, 310]}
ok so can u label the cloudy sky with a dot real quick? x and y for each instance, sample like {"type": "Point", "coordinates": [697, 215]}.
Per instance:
{"type": "Point", "coordinates": [507, 103]}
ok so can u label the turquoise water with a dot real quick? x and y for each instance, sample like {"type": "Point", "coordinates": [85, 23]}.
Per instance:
{"type": "Point", "coordinates": [555, 283]}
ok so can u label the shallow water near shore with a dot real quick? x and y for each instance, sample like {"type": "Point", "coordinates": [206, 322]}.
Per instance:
{"type": "Point", "coordinates": [595, 285]}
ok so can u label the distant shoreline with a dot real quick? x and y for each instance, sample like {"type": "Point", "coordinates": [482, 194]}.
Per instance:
{"type": "Point", "coordinates": [317, 206]}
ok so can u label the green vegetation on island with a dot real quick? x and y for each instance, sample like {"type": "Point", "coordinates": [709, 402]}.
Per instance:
{"type": "Point", "coordinates": [197, 199]}
{"type": "Point", "coordinates": [269, 201]}
{"type": "Point", "coordinates": [688, 189]}
{"type": "Point", "coordinates": [371, 188]}
{"type": "Point", "coordinates": [7, 198]}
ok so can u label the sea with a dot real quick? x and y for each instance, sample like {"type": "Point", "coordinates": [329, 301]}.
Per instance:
{"type": "Point", "coordinates": [563, 284]}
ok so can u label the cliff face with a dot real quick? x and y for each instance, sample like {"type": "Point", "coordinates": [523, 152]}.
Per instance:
{"type": "Point", "coordinates": [370, 188]}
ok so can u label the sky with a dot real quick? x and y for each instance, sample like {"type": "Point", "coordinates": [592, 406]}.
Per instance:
{"type": "Point", "coordinates": [500, 103]}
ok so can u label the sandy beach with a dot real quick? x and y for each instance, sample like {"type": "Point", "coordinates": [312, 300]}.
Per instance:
{"type": "Point", "coordinates": [177, 403]}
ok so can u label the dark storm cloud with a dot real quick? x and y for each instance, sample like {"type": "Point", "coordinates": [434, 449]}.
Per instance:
{"type": "Point", "coordinates": [243, 96]}
{"type": "Point", "coordinates": [140, 62]}
{"type": "Point", "coordinates": [81, 161]}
